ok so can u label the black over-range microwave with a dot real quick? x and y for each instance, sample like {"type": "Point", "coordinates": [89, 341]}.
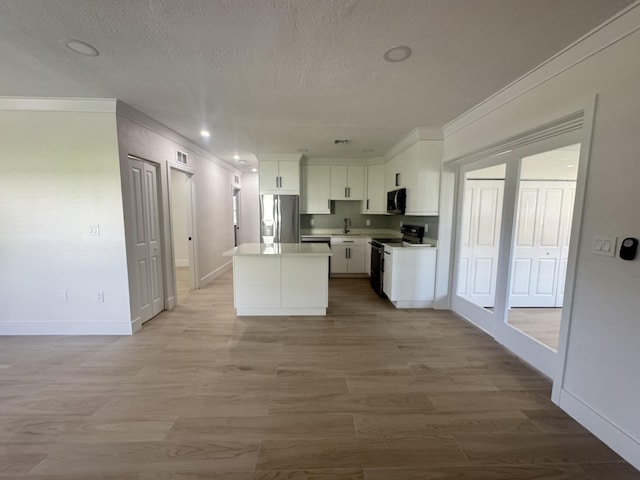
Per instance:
{"type": "Point", "coordinates": [397, 201]}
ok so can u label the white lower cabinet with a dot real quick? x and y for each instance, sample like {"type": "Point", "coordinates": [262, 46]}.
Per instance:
{"type": "Point", "coordinates": [280, 285]}
{"type": "Point", "coordinates": [348, 255]}
{"type": "Point", "coordinates": [409, 276]}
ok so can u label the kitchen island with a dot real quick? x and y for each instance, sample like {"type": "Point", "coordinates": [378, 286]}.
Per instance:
{"type": "Point", "coordinates": [280, 278]}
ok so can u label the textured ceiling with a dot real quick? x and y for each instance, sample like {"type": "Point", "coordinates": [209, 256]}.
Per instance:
{"type": "Point", "coordinates": [282, 75]}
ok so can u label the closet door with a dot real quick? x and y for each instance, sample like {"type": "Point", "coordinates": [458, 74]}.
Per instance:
{"type": "Point", "coordinates": [148, 291]}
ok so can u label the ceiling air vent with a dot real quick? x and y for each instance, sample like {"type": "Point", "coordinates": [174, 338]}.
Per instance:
{"type": "Point", "coordinates": [181, 157]}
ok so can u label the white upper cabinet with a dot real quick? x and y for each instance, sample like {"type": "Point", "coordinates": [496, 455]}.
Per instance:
{"type": "Point", "coordinates": [279, 174]}
{"type": "Point", "coordinates": [417, 168]}
{"type": "Point", "coordinates": [347, 182]}
{"type": "Point", "coordinates": [375, 198]}
{"type": "Point", "coordinates": [315, 189]}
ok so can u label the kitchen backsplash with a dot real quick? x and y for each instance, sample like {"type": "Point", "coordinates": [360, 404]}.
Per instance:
{"type": "Point", "coordinates": [351, 209]}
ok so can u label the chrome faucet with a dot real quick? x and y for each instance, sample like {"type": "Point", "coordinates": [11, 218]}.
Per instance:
{"type": "Point", "coordinates": [347, 224]}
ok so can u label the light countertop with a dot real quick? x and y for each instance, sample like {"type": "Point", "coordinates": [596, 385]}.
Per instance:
{"type": "Point", "coordinates": [283, 249]}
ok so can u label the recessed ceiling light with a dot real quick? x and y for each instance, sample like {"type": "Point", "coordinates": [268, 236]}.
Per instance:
{"type": "Point", "coordinates": [570, 165]}
{"type": "Point", "coordinates": [205, 133]}
{"type": "Point", "coordinates": [236, 157]}
{"type": "Point", "coordinates": [397, 54]}
{"type": "Point", "coordinates": [82, 48]}
{"type": "Point", "coordinates": [242, 162]}
{"type": "Point", "coordinates": [254, 169]}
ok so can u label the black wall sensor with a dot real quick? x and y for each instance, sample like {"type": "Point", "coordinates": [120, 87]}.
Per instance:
{"type": "Point", "coordinates": [628, 248]}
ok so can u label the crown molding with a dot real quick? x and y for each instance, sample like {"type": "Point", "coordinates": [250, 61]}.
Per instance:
{"type": "Point", "coordinates": [617, 28]}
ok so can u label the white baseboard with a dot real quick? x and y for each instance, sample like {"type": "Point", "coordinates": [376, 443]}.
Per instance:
{"type": "Point", "coordinates": [418, 304]}
{"type": "Point", "coordinates": [211, 276]}
{"type": "Point", "coordinates": [182, 262]}
{"type": "Point", "coordinates": [65, 328]}
{"type": "Point", "coordinates": [621, 443]}
{"type": "Point", "coordinates": [136, 325]}
{"type": "Point", "coordinates": [171, 303]}
{"type": "Point", "coordinates": [271, 312]}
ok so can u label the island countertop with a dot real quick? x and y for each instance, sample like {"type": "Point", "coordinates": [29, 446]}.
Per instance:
{"type": "Point", "coordinates": [282, 249]}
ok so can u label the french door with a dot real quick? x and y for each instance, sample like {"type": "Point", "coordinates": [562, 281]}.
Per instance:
{"type": "Point", "coordinates": [514, 233]}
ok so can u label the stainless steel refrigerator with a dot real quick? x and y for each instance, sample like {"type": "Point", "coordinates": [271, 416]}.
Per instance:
{"type": "Point", "coordinates": [279, 219]}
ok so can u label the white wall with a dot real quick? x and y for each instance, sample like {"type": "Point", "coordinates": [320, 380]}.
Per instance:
{"type": "Point", "coordinates": [179, 218]}
{"type": "Point", "coordinates": [60, 174]}
{"type": "Point", "coordinates": [250, 208]}
{"type": "Point", "coordinates": [602, 380]}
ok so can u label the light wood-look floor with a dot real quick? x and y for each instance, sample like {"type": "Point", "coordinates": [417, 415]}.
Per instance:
{"type": "Point", "coordinates": [543, 324]}
{"type": "Point", "coordinates": [368, 392]}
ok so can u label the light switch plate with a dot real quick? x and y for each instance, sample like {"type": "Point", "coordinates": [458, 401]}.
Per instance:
{"type": "Point", "coordinates": [93, 230]}
{"type": "Point", "coordinates": [605, 246]}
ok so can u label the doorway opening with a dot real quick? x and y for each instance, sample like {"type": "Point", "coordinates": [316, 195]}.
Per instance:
{"type": "Point", "coordinates": [182, 229]}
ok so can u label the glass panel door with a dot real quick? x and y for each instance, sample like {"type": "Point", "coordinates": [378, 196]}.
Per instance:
{"type": "Point", "coordinates": [481, 194]}
{"type": "Point", "coordinates": [545, 194]}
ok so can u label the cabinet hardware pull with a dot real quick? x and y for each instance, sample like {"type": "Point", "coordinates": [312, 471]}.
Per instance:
{"type": "Point", "coordinates": [348, 192]}
{"type": "Point", "coordinates": [397, 179]}
{"type": "Point", "coordinates": [367, 204]}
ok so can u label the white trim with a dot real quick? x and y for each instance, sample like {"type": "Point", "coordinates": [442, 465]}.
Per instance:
{"type": "Point", "coordinates": [411, 138]}
{"type": "Point", "coordinates": [136, 325]}
{"type": "Point", "coordinates": [44, 104]}
{"type": "Point", "coordinates": [624, 445]}
{"type": "Point", "coordinates": [65, 328]}
{"type": "Point", "coordinates": [262, 312]}
{"type": "Point", "coordinates": [574, 247]}
{"type": "Point", "coordinates": [171, 302]}
{"type": "Point", "coordinates": [569, 123]}
{"type": "Point", "coordinates": [211, 276]}
{"type": "Point", "coordinates": [410, 304]}
{"type": "Point", "coordinates": [613, 30]}
{"type": "Point", "coordinates": [181, 262]}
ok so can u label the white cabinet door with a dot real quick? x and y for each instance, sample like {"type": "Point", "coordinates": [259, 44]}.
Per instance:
{"type": "Point", "coordinates": [315, 189]}
{"type": "Point", "coordinates": [375, 200]}
{"type": "Point", "coordinates": [356, 259]}
{"type": "Point", "coordinates": [355, 182]}
{"type": "Point", "coordinates": [347, 182]}
{"type": "Point", "coordinates": [413, 275]}
{"type": "Point", "coordinates": [387, 278]}
{"type": "Point", "coordinates": [279, 177]}
{"type": "Point", "coordinates": [268, 177]}
{"type": "Point", "coordinates": [338, 182]}
{"type": "Point", "coordinates": [339, 261]}
{"type": "Point", "coordinates": [304, 282]}
{"type": "Point", "coordinates": [289, 177]}
{"type": "Point", "coordinates": [249, 286]}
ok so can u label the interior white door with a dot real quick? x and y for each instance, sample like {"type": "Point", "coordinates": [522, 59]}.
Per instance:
{"type": "Point", "coordinates": [149, 281]}
{"type": "Point", "coordinates": [541, 243]}
{"type": "Point", "coordinates": [480, 241]}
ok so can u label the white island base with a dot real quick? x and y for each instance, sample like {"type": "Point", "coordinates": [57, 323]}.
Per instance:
{"type": "Point", "coordinates": [280, 279]}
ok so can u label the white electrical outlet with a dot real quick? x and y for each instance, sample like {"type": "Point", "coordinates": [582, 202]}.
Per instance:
{"type": "Point", "coordinates": [400, 223]}
{"type": "Point", "coordinates": [100, 296]}
{"type": "Point", "coordinates": [62, 296]}
{"type": "Point", "coordinates": [367, 222]}
{"type": "Point", "coordinates": [426, 227]}
{"type": "Point", "coordinates": [312, 222]}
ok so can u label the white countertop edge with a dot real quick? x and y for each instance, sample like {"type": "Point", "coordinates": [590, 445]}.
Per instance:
{"type": "Point", "coordinates": [280, 249]}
